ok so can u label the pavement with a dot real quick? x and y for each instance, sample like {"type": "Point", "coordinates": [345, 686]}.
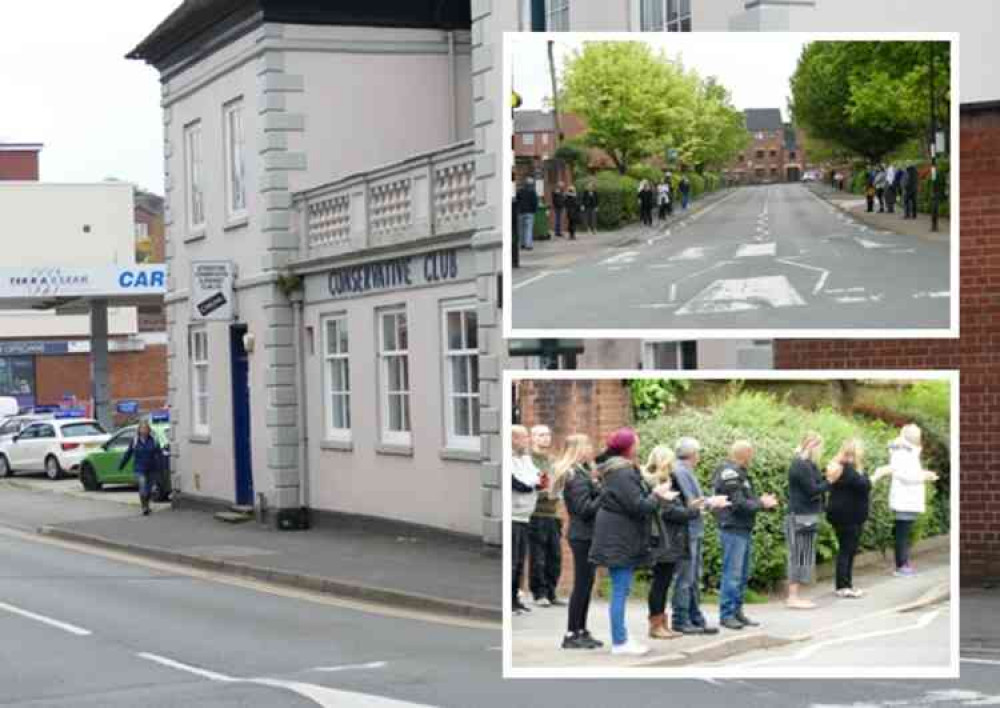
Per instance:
{"type": "Point", "coordinates": [857, 207]}
{"type": "Point", "coordinates": [875, 633]}
{"type": "Point", "coordinates": [776, 257]}
{"type": "Point", "coordinates": [416, 571]}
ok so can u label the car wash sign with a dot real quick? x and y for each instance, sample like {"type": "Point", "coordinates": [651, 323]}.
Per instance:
{"type": "Point", "coordinates": [97, 281]}
{"type": "Point", "coordinates": [438, 267]}
{"type": "Point", "coordinates": [212, 290]}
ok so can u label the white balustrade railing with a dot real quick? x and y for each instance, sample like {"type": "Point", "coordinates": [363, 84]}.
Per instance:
{"type": "Point", "coordinates": [426, 195]}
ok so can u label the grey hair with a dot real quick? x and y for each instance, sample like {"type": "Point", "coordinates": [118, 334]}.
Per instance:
{"type": "Point", "coordinates": [686, 447]}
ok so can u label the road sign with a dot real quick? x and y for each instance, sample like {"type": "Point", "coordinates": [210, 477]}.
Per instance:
{"type": "Point", "coordinates": [212, 290]}
{"type": "Point", "coordinates": [128, 407]}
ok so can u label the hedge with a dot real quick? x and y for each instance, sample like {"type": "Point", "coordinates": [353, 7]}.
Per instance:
{"type": "Point", "coordinates": [617, 198]}
{"type": "Point", "coordinates": [776, 428]}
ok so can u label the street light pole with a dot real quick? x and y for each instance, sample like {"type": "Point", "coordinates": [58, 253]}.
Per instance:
{"type": "Point", "coordinates": [934, 188]}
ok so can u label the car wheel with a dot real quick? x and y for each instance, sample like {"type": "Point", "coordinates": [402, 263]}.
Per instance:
{"type": "Point", "coordinates": [5, 470]}
{"type": "Point", "coordinates": [88, 478]}
{"type": "Point", "coordinates": [53, 470]}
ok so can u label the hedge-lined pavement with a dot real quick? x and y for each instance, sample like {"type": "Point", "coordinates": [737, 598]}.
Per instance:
{"type": "Point", "coordinates": [783, 632]}
{"type": "Point", "coordinates": [774, 257]}
{"type": "Point", "coordinates": [855, 205]}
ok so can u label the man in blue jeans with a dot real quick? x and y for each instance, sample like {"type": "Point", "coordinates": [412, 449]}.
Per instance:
{"type": "Point", "coordinates": [736, 523]}
{"type": "Point", "coordinates": [527, 205]}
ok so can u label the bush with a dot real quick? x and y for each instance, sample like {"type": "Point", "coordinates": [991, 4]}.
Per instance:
{"type": "Point", "coordinates": [858, 181]}
{"type": "Point", "coordinates": [645, 172]}
{"type": "Point", "coordinates": [775, 428]}
{"type": "Point", "coordinates": [617, 200]}
{"type": "Point", "coordinates": [697, 184]}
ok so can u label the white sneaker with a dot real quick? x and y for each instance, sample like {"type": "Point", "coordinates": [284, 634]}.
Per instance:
{"type": "Point", "coordinates": [542, 602]}
{"type": "Point", "coordinates": [630, 648]}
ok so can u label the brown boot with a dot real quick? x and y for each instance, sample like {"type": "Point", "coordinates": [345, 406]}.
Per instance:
{"type": "Point", "coordinates": [658, 628]}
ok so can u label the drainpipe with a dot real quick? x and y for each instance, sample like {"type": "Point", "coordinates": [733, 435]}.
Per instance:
{"type": "Point", "coordinates": [452, 92]}
{"type": "Point", "coordinates": [298, 304]}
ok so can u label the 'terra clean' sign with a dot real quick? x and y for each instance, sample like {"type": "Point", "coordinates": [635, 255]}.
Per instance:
{"type": "Point", "coordinates": [96, 281]}
{"type": "Point", "coordinates": [393, 273]}
{"type": "Point", "coordinates": [212, 290]}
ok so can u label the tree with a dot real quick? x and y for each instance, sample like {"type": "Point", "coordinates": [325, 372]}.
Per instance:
{"type": "Point", "coordinates": [718, 130]}
{"type": "Point", "coordinates": [868, 99]}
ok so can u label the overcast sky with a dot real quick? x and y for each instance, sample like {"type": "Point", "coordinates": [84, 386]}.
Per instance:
{"type": "Point", "coordinates": [65, 82]}
{"type": "Point", "coordinates": [754, 67]}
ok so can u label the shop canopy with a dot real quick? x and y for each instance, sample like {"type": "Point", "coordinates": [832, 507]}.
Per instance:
{"type": "Point", "coordinates": [72, 290]}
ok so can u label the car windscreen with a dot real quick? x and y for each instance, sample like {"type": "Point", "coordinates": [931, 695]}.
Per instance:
{"type": "Point", "coordinates": [79, 430]}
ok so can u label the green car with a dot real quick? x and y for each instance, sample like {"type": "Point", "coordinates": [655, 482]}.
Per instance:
{"type": "Point", "coordinates": [101, 466]}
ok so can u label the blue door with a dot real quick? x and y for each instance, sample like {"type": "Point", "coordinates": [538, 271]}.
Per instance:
{"type": "Point", "coordinates": [239, 365]}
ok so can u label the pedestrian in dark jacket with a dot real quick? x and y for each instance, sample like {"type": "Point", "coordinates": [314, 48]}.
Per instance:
{"type": "Point", "coordinates": [147, 455]}
{"type": "Point", "coordinates": [736, 523]}
{"type": "Point", "coordinates": [545, 535]}
{"type": "Point", "coordinates": [806, 487]}
{"type": "Point", "coordinates": [582, 495]}
{"type": "Point", "coordinates": [527, 205]}
{"type": "Point", "coordinates": [572, 206]}
{"type": "Point", "coordinates": [685, 189]}
{"type": "Point", "coordinates": [870, 190]}
{"type": "Point", "coordinates": [558, 204]}
{"type": "Point", "coordinates": [621, 531]}
{"type": "Point", "coordinates": [589, 199]}
{"type": "Point", "coordinates": [847, 510]}
{"type": "Point", "coordinates": [910, 188]}
{"type": "Point", "coordinates": [647, 198]}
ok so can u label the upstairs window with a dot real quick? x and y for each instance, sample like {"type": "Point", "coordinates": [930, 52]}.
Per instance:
{"type": "Point", "coordinates": [236, 196]}
{"type": "Point", "coordinates": [192, 159]}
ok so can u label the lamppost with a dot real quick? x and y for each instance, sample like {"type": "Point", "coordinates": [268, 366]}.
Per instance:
{"type": "Point", "coordinates": [934, 187]}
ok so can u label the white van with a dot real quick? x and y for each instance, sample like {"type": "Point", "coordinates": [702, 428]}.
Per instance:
{"type": "Point", "coordinates": [8, 407]}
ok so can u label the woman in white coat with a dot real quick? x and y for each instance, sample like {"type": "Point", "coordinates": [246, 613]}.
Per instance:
{"type": "Point", "coordinates": [907, 495]}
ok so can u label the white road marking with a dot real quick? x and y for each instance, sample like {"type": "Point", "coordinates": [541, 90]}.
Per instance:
{"type": "Point", "coordinates": [693, 253]}
{"type": "Point", "coordinates": [657, 306]}
{"type": "Point", "coordinates": [952, 696]}
{"type": "Point", "coordinates": [751, 250]}
{"type": "Point", "coordinates": [657, 239]}
{"type": "Point", "coordinates": [935, 294]}
{"type": "Point", "coordinates": [322, 695]}
{"type": "Point", "coordinates": [533, 279]}
{"type": "Point", "coordinates": [903, 250]}
{"type": "Point", "coordinates": [821, 283]}
{"type": "Point", "coordinates": [850, 299]}
{"type": "Point", "coordinates": [837, 291]}
{"type": "Point", "coordinates": [673, 292]}
{"type": "Point", "coordinates": [624, 257]}
{"type": "Point", "coordinates": [824, 273]}
{"type": "Point", "coordinates": [742, 294]}
{"type": "Point", "coordinates": [64, 626]}
{"type": "Point", "coordinates": [661, 266]}
{"type": "Point", "coordinates": [353, 667]}
{"type": "Point", "coordinates": [872, 244]}
{"type": "Point", "coordinates": [987, 662]}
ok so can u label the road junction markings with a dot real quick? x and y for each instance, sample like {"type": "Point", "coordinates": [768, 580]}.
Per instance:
{"type": "Point", "coordinates": [742, 294]}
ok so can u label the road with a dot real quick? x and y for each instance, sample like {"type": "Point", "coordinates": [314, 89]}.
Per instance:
{"type": "Point", "coordinates": [770, 257]}
{"type": "Point", "coordinates": [83, 628]}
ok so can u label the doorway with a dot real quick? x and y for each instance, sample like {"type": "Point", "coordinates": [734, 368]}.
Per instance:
{"type": "Point", "coordinates": [242, 457]}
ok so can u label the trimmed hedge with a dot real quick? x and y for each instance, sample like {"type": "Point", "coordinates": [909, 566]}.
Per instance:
{"type": "Point", "coordinates": [617, 198]}
{"type": "Point", "coordinates": [776, 428]}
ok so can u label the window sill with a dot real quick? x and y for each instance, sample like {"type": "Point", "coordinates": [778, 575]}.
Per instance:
{"type": "Point", "coordinates": [200, 439]}
{"type": "Point", "coordinates": [195, 236]}
{"type": "Point", "coordinates": [333, 444]}
{"type": "Point", "coordinates": [383, 448]}
{"type": "Point", "coordinates": [236, 222]}
{"type": "Point", "coordinates": [461, 454]}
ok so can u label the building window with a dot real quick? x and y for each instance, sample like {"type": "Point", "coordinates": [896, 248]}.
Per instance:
{"type": "Point", "coordinates": [141, 229]}
{"type": "Point", "coordinates": [236, 194]}
{"type": "Point", "coordinates": [557, 15]}
{"type": "Point", "coordinates": [195, 194]}
{"type": "Point", "coordinates": [791, 155]}
{"type": "Point", "coordinates": [338, 378]}
{"type": "Point", "coordinates": [774, 153]}
{"type": "Point", "coordinates": [545, 138]}
{"type": "Point", "coordinates": [760, 154]}
{"type": "Point", "coordinates": [461, 353]}
{"type": "Point", "coordinates": [669, 354]}
{"type": "Point", "coordinates": [395, 376]}
{"type": "Point", "coordinates": [739, 158]}
{"type": "Point", "coordinates": [528, 138]}
{"type": "Point", "coordinates": [665, 16]}
{"type": "Point", "coordinates": [774, 171]}
{"type": "Point", "coordinates": [199, 381]}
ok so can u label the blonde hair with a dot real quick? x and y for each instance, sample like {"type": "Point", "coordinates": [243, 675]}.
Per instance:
{"type": "Point", "coordinates": [740, 449]}
{"type": "Point", "coordinates": [811, 447]}
{"type": "Point", "coordinates": [659, 465]}
{"type": "Point", "coordinates": [854, 447]}
{"type": "Point", "coordinates": [911, 433]}
{"type": "Point", "coordinates": [576, 445]}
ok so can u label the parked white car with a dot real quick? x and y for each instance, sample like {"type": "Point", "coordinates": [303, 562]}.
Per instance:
{"type": "Point", "coordinates": [54, 446]}
{"type": "Point", "coordinates": [12, 425]}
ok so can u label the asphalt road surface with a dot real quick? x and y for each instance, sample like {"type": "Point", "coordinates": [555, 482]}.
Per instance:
{"type": "Point", "coordinates": [82, 629]}
{"type": "Point", "coordinates": [770, 257]}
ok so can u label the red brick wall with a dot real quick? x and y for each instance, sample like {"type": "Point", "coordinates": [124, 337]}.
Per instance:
{"type": "Point", "coordinates": [19, 165]}
{"type": "Point", "coordinates": [976, 354]}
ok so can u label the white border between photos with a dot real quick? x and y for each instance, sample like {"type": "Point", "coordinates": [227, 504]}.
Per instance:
{"type": "Point", "coordinates": [735, 672]}
{"type": "Point", "coordinates": [951, 332]}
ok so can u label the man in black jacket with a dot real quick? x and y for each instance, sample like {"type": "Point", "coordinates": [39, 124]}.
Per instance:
{"type": "Point", "coordinates": [558, 205]}
{"type": "Point", "coordinates": [736, 523]}
{"type": "Point", "coordinates": [527, 205]}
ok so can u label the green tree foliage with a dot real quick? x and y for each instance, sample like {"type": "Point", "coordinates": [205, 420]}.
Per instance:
{"type": "Point", "coordinates": [652, 397]}
{"type": "Point", "coordinates": [636, 102]}
{"type": "Point", "coordinates": [775, 428]}
{"type": "Point", "coordinates": [869, 99]}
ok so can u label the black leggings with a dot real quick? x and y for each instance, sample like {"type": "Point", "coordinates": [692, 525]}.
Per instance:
{"type": "Point", "coordinates": [646, 215]}
{"type": "Point", "coordinates": [583, 585]}
{"type": "Point", "coordinates": [519, 552]}
{"type": "Point", "coordinates": [848, 538]}
{"type": "Point", "coordinates": [662, 574]}
{"type": "Point", "coordinates": [903, 529]}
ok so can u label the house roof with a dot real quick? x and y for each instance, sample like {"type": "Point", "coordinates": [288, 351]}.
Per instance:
{"type": "Point", "coordinates": [533, 122]}
{"type": "Point", "coordinates": [763, 120]}
{"type": "Point", "coordinates": [197, 25]}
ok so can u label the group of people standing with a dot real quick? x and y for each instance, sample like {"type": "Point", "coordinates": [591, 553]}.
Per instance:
{"type": "Point", "coordinates": [887, 184]}
{"type": "Point", "coordinates": [660, 198]}
{"type": "Point", "coordinates": [624, 516]}
{"type": "Point", "coordinates": [569, 210]}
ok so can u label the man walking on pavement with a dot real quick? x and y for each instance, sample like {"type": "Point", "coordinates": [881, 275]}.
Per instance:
{"type": "Point", "coordinates": [736, 524]}
{"type": "Point", "coordinates": [688, 618]}
{"type": "Point", "coordinates": [911, 184]}
{"type": "Point", "coordinates": [558, 204]}
{"type": "Point", "coordinates": [527, 205]}
{"type": "Point", "coordinates": [685, 188]}
{"type": "Point", "coordinates": [526, 481]}
{"type": "Point", "coordinates": [546, 527]}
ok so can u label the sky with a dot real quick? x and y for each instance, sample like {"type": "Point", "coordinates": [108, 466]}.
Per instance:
{"type": "Point", "coordinates": [754, 67]}
{"type": "Point", "coordinates": [65, 82]}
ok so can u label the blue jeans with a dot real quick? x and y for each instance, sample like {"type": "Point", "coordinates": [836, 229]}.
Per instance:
{"type": "Point", "coordinates": [736, 562]}
{"type": "Point", "coordinates": [143, 480]}
{"type": "Point", "coordinates": [526, 227]}
{"type": "Point", "coordinates": [687, 587]}
{"type": "Point", "coordinates": [684, 200]}
{"type": "Point", "coordinates": [621, 584]}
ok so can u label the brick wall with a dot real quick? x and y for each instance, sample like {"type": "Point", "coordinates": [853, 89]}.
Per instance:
{"type": "Point", "coordinates": [595, 408]}
{"type": "Point", "coordinates": [976, 354]}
